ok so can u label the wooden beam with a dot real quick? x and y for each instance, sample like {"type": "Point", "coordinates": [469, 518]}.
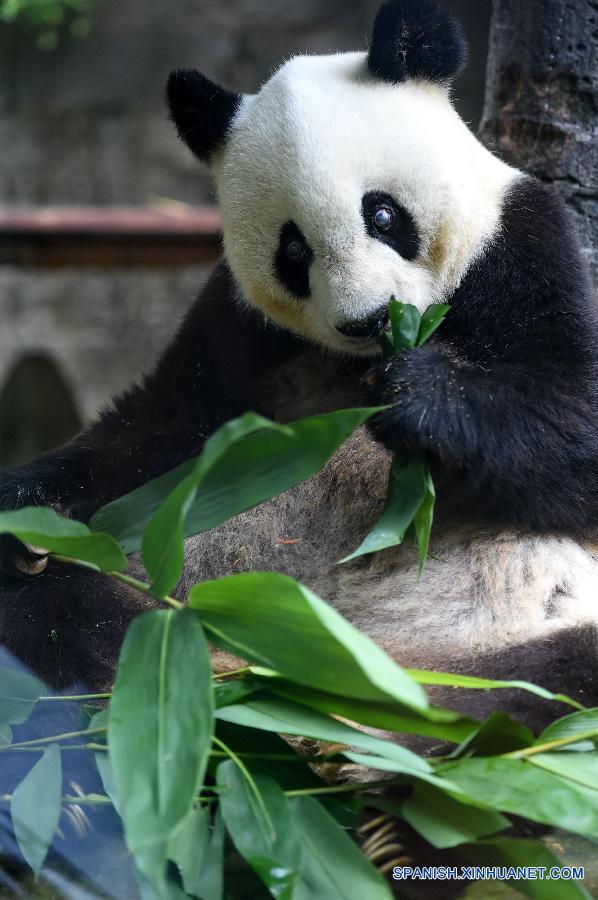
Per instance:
{"type": "Point", "coordinates": [169, 235]}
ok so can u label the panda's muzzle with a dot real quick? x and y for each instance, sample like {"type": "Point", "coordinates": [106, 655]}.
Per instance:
{"type": "Point", "coordinates": [369, 327]}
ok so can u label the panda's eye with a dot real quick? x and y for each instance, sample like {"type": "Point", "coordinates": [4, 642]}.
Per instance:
{"type": "Point", "coordinates": [383, 218]}
{"type": "Point", "coordinates": [293, 259]}
{"type": "Point", "coordinates": [295, 251]}
{"type": "Point", "coordinates": [387, 221]}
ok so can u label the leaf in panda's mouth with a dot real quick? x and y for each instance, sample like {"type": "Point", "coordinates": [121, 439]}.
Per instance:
{"type": "Point", "coordinates": [411, 494]}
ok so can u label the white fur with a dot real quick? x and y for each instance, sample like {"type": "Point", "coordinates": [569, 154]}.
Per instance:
{"type": "Point", "coordinates": [320, 134]}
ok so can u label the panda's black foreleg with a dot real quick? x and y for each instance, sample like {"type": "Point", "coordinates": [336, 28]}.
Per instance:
{"type": "Point", "coordinates": [510, 444]}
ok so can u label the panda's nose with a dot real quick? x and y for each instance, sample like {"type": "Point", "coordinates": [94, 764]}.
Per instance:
{"type": "Point", "coordinates": [368, 327]}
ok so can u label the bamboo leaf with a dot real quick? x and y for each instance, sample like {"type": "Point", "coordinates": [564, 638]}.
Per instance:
{"type": "Point", "coordinates": [188, 848]}
{"type": "Point", "coordinates": [575, 723]}
{"type": "Point", "coordinates": [424, 519]}
{"type": "Point", "coordinates": [160, 725]}
{"type": "Point", "coordinates": [162, 546]}
{"type": "Point", "coordinates": [444, 822]}
{"type": "Point", "coordinates": [250, 471]}
{"type": "Point", "coordinates": [19, 693]}
{"type": "Point", "coordinates": [269, 844]}
{"type": "Point", "coordinates": [405, 322]}
{"type": "Point", "coordinates": [248, 614]}
{"type": "Point", "coordinates": [66, 537]}
{"type": "Point", "coordinates": [443, 724]}
{"type": "Point", "coordinates": [209, 883]}
{"type": "Point", "coordinates": [286, 717]}
{"type": "Point", "coordinates": [516, 786]}
{"type": "Point", "coordinates": [407, 491]}
{"type": "Point", "coordinates": [431, 321]}
{"type": "Point", "coordinates": [497, 735]}
{"type": "Point", "coordinates": [35, 807]}
{"type": "Point", "coordinates": [332, 867]}
{"type": "Point", "coordinates": [422, 676]}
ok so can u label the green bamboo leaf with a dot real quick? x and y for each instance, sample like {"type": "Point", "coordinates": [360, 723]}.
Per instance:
{"type": "Point", "coordinates": [424, 519]}
{"type": "Point", "coordinates": [332, 867]}
{"type": "Point", "coordinates": [248, 614]}
{"type": "Point", "coordinates": [35, 807]}
{"type": "Point", "coordinates": [287, 769]}
{"type": "Point", "coordinates": [106, 774]}
{"type": "Point", "coordinates": [431, 321]}
{"type": "Point", "coordinates": [45, 528]}
{"type": "Point", "coordinates": [387, 345]}
{"type": "Point", "coordinates": [575, 723]}
{"type": "Point", "coordinates": [19, 693]}
{"type": "Point", "coordinates": [188, 848]}
{"type": "Point", "coordinates": [484, 684]}
{"type": "Point", "coordinates": [409, 329]}
{"type": "Point", "coordinates": [523, 853]}
{"type": "Point", "coordinates": [443, 724]}
{"type": "Point", "coordinates": [579, 767]}
{"type": "Point", "coordinates": [400, 767]}
{"type": "Point", "coordinates": [250, 471]}
{"type": "Point", "coordinates": [445, 822]}
{"type": "Point", "coordinates": [405, 322]}
{"type": "Point", "coordinates": [269, 844]}
{"type": "Point", "coordinates": [408, 488]}
{"type": "Point", "coordinates": [209, 884]}
{"type": "Point", "coordinates": [286, 717]}
{"type": "Point", "coordinates": [5, 735]}
{"type": "Point", "coordinates": [497, 735]}
{"type": "Point", "coordinates": [160, 724]}
{"type": "Point", "coordinates": [162, 546]}
{"type": "Point", "coordinates": [231, 691]}
{"type": "Point", "coordinates": [516, 786]}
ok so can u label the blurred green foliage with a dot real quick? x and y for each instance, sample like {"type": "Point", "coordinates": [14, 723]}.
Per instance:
{"type": "Point", "coordinates": [49, 19]}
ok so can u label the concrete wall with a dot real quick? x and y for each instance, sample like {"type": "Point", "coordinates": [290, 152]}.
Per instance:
{"type": "Point", "coordinates": [86, 124]}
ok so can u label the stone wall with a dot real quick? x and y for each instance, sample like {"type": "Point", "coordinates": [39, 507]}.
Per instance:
{"type": "Point", "coordinates": [86, 124]}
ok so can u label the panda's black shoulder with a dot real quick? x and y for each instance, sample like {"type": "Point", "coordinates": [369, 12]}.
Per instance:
{"type": "Point", "coordinates": [528, 291]}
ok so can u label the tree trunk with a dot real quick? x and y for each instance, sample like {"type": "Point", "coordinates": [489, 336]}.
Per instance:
{"type": "Point", "coordinates": [541, 103]}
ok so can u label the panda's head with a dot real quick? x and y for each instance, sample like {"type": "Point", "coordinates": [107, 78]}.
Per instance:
{"type": "Point", "coordinates": [349, 178]}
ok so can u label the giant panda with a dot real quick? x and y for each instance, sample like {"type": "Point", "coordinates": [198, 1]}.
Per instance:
{"type": "Point", "coordinates": [348, 179]}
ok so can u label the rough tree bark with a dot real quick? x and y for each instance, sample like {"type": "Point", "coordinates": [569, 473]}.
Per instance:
{"type": "Point", "coordinates": [541, 100]}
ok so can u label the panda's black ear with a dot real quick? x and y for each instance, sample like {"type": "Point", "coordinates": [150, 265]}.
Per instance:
{"type": "Point", "coordinates": [416, 39]}
{"type": "Point", "coordinates": [201, 110]}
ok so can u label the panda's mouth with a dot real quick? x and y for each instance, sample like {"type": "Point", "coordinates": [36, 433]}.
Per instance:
{"type": "Point", "coordinates": [366, 328]}
{"type": "Point", "coordinates": [355, 346]}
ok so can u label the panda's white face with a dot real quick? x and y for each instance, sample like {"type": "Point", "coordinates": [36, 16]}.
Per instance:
{"type": "Point", "coordinates": [339, 191]}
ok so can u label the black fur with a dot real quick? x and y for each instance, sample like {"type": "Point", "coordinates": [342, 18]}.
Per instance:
{"type": "Point", "coordinates": [201, 110]}
{"type": "Point", "coordinates": [416, 39]}
{"type": "Point", "coordinates": [565, 662]}
{"type": "Point", "coordinates": [68, 624]}
{"type": "Point", "coordinates": [504, 401]}
{"type": "Point", "coordinates": [403, 236]}
{"type": "Point", "coordinates": [293, 273]}
{"type": "Point", "coordinates": [210, 373]}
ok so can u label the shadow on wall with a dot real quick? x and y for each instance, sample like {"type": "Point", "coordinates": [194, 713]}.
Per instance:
{"type": "Point", "coordinates": [37, 410]}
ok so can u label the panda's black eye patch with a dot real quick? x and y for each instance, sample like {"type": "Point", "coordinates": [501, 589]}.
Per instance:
{"type": "Point", "coordinates": [293, 259]}
{"type": "Point", "coordinates": [389, 222]}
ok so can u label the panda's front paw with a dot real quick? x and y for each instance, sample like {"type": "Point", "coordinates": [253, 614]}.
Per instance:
{"type": "Point", "coordinates": [428, 410]}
